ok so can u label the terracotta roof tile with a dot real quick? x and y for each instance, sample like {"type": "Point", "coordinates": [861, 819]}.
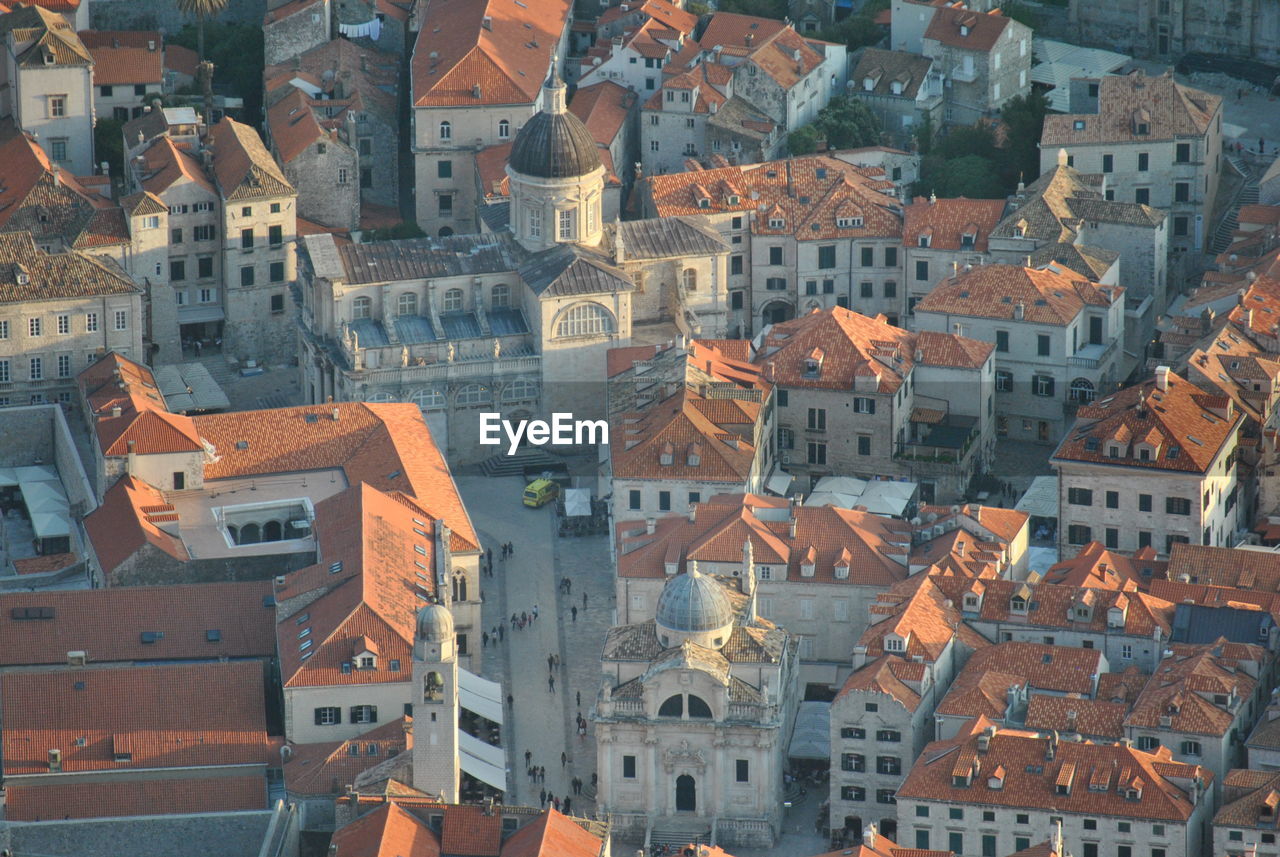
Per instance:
{"type": "Point", "coordinates": [923, 616]}
{"type": "Point", "coordinates": [388, 831]}
{"type": "Point", "coordinates": [156, 715]}
{"type": "Point", "coordinates": [1256, 807]}
{"type": "Point", "coordinates": [878, 676]}
{"type": "Point", "coordinates": [120, 527]}
{"type": "Point", "coordinates": [165, 164]}
{"type": "Point", "coordinates": [981, 687]}
{"type": "Point", "coordinates": [1096, 567]}
{"type": "Point", "coordinates": [952, 224]}
{"type": "Point", "coordinates": [469, 832]}
{"type": "Point", "coordinates": [1168, 108]}
{"type": "Point", "coordinates": [1186, 683]}
{"type": "Point", "coordinates": [293, 125]}
{"type": "Point", "coordinates": [962, 28]}
{"type": "Point", "coordinates": [1052, 606]}
{"type": "Point", "coordinates": [182, 60]}
{"type": "Point", "coordinates": [242, 166]}
{"type": "Point", "coordinates": [184, 613]}
{"type": "Point", "coordinates": [885, 68]}
{"type": "Point", "coordinates": [1186, 426]}
{"type": "Point", "coordinates": [37, 32]}
{"type": "Point", "coordinates": [708, 440]}
{"type": "Point", "coordinates": [125, 57]}
{"type": "Point", "coordinates": [326, 768]}
{"type": "Point", "coordinates": [1094, 718]}
{"type": "Point", "coordinates": [552, 835]}
{"type": "Point", "coordinates": [176, 796]}
{"type": "Point", "coordinates": [1047, 296]}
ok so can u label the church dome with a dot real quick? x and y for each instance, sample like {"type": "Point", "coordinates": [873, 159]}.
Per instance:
{"type": "Point", "coordinates": [435, 623]}
{"type": "Point", "coordinates": [692, 603]}
{"type": "Point", "coordinates": [554, 144]}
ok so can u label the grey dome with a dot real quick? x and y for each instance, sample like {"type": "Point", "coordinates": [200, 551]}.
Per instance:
{"type": "Point", "coordinates": [554, 145]}
{"type": "Point", "coordinates": [693, 602]}
{"type": "Point", "coordinates": [435, 623]}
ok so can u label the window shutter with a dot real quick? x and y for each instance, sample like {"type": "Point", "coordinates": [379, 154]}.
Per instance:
{"type": "Point", "coordinates": [355, 714]}
{"type": "Point", "coordinates": [871, 406]}
{"type": "Point", "coordinates": [373, 714]}
{"type": "Point", "coordinates": [1050, 379]}
{"type": "Point", "coordinates": [319, 717]}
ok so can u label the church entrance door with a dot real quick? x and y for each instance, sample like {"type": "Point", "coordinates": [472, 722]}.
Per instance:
{"type": "Point", "coordinates": [686, 794]}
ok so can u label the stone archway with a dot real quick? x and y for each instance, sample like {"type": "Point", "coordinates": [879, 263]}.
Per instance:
{"type": "Point", "coordinates": [776, 312]}
{"type": "Point", "coordinates": [686, 794]}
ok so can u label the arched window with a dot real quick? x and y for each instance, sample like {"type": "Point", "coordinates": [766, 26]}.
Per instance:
{"type": "Point", "coordinates": [504, 129]}
{"type": "Point", "coordinates": [433, 687]}
{"type": "Point", "coordinates": [361, 308]}
{"type": "Point", "coordinates": [500, 296]}
{"type": "Point", "coordinates": [460, 587]}
{"type": "Point", "coordinates": [250, 534]}
{"type": "Point", "coordinates": [428, 400]}
{"type": "Point", "coordinates": [690, 280]}
{"type": "Point", "coordinates": [672, 707]}
{"type": "Point", "coordinates": [519, 390]}
{"type": "Point", "coordinates": [272, 531]}
{"type": "Point", "coordinates": [698, 707]}
{"type": "Point", "coordinates": [445, 231]}
{"type": "Point", "coordinates": [234, 532]}
{"type": "Point", "coordinates": [446, 131]}
{"type": "Point", "coordinates": [453, 300]}
{"type": "Point", "coordinates": [407, 304]}
{"type": "Point", "coordinates": [381, 396]}
{"type": "Point", "coordinates": [1082, 391]}
{"type": "Point", "coordinates": [593, 212]}
{"type": "Point", "coordinates": [475, 394]}
{"type": "Point", "coordinates": [586, 319]}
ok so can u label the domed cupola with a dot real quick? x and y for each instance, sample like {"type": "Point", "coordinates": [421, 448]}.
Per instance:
{"type": "Point", "coordinates": [694, 607]}
{"type": "Point", "coordinates": [434, 637]}
{"type": "Point", "coordinates": [556, 175]}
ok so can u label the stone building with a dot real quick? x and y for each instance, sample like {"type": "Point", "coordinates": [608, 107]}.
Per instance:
{"type": "Point", "coordinates": [1152, 464]}
{"type": "Point", "coordinates": [941, 235]}
{"type": "Point", "coordinates": [1167, 30]}
{"type": "Point", "coordinates": [59, 311]}
{"type": "Point", "coordinates": [293, 27]}
{"type": "Point", "coordinates": [694, 715]}
{"type": "Point", "coordinates": [634, 43]}
{"type": "Point", "coordinates": [779, 265]}
{"type": "Point", "coordinates": [521, 318]}
{"type": "Point", "coordinates": [46, 85]}
{"type": "Point", "coordinates": [351, 89]}
{"type": "Point", "coordinates": [985, 56]}
{"type": "Point", "coordinates": [1245, 822]}
{"type": "Point", "coordinates": [996, 790]}
{"type": "Point", "coordinates": [1056, 336]}
{"type": "Point", "coordinates": [860, 397]}
{"type": "Point", "coordinates": [316, 160]}
{"type": "Point", "coordinates": [259, 227]}
{"type": "Point", "coordinates": [903, 91]}
{"type": "Point", "coordinates": [1155, 142]}
{"type": "Point", "coordinates": [475, 74]}
{"type": "Point", "coordinates": [128, 70]}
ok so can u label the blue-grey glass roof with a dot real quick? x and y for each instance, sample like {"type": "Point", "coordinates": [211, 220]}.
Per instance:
{"type": "Point", "coordinates": [423, 258]}
{"type": "Point", "coordinates": [506, 322]}
{"type": "Point", "coordinates": [370, 333]}
{"type": "Point", "coordinates": [460, 325]}
{"type": "Point", "coordinates": [413, 329]}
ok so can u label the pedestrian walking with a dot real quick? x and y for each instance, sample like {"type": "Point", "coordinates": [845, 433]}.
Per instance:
{"type": "Point", "coordinates": [584, 602]}
{"type": "Point", "coordinates": [551, 662]}
{"type": "Point", "coordinates": [564, 759]}
{"type": "Point", "coordinates": [484, 639]}
{"type": "Point", "coordinates": [566, 806]}
{"type": "Point", "coordinates": [535, 611]}
{"type": "Point", "coordinates": [513, 621]}
{"type": "Point", "coordinates": [542, 796]}
{"type": "Point", "coordinates": [542, 773]}
{"type": "Point", "coordinates": [578, 693]}
{"type": "Point", "coordinates": [574, 612]}
{"type": "Point", "coordinates": [524, 618]}
{"type": "Point", "coordinates": [556, 659]}
{"type": "Point", "coordinates": [582, 731]}
{"type": "Point", "coordinates": [511, 701]}
{"type": "Point", "coordinates": [595, 779]}
{"type": "Point", "coordinates": [551, 684]}
{"type": "Point", "coordinates": [488, 552]}
{"type": "Point", "coordinates": [556, 803]}
{"type": "Point", "coordinates": [511, 548]}
{"type": "Point", "coordinates": [528, 757]}
{"type": "Point", "coordinates": [502, 634]}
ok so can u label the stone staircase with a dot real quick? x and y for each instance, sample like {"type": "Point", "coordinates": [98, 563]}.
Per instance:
{"type": "Point", "coordinates": [1248, 195]}
{"type": "Point", "coordinates": [515, 465]}
{"type": "Point", "coordinates": [678, 833]}
{"type": "Point", "coordinates": [219, 369]}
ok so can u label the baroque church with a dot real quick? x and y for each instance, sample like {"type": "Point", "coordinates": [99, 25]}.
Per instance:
{"type": "Point", "coordinates": [517, 318]}
{"type": "Point", "coordinates": [694, 714]}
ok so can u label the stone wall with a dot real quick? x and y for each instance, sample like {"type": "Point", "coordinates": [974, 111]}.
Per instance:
{"type": "Point", "coordinates": [132, 15]}
{"type": "Point", "coordinates": [285, 38]}
{"type": "Point", "coordinates": [318, 175]}
{"type": "Point", "coordinates": [238, 834]}
{"type": "Point", "coordinates": [383, 160]}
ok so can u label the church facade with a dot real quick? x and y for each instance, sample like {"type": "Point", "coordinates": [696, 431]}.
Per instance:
{"type": "Point", "coordinates": [694, 715]}
{"type": "Point", "coordinates": [516, 320]}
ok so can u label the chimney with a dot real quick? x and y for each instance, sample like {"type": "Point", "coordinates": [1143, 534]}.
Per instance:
{"type": "Point", "coordinates": [1162, 378]}
{"type": "Point", "coordinates": [55, 761]}
{"type": "Point", "coordinates": [751, 37]}
{"type": "Point", "coordinates": [133, 456]}
{"type": "Point", "coordinates": [955, 270]}
{"type": "Point", "coordinates": [115, 411]}
{"type": "Point", "coordinates": [1019, 311]}
{"type": "Point", "coordinates": [957, 328]}
{"type": "Point", "coordinates": [487, 22]}
{"type": "Point", "coordinates": [336, 414]}
{"type": "Point", "coordinates": [650, 525]}
{"type": "Point", "coordinates": [869, 836]}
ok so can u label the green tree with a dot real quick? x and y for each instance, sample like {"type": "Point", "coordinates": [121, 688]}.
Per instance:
{"type": "Point", "coordinates": [973, 176]}
{"type": "Point", "coordinates": [803, 140]}
{"type": "Point", "coordinates": [236, 53]}
{"type": "Point", "coordinates": [846, 123]}
{"type": "Point", "coordinates": [1024, 120]}
{"type": "Point", "coordinates": [976, 140]}
{"type": "Point", "coordinates": [1021, 12]}
{"type": "Point", "coordinates": [108, 144]}
{"type": "Point", "coordinates": [924, 135]}
{"type": "Point", "coordinates": [202, 9]}
{"type": "Point", "coordinates": [760, 8]}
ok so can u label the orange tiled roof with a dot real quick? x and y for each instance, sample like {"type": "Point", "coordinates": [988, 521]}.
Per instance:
{"type": "Point", "coordinates": [551, 835]}
{"type": "Point", "coordinates": [1097, 776]}
{"type": "Point", "coordinates": [668, 14]}
{"type": "Point", "coordinates": [121, 526]}
{"type": "Point", "coordinates": [326, 768]}
{"type": "Point", "coordinates": [181, 60]}
{"type": "Point", "coordinates": [185, 613]}
{"type": "Point", "coordinates": [1259, 310]}
{"type": "Point", "coordinates": [705, 439]}
{"type": "Point", "coordinates": [923, 615]}
{"type": "Point", "coordinates": [1207, 595]}
{"type": "Point", "coordinates": [294, 126]}
{"type": "Point", "coordinates": [469, 831]}
{"type": "Point", "coordinates": [1099, 568]}
{"type": "Point", "coordinates": [1249, 799]}
{"type": "Point", "coordinates": [165, 164]}
{"type": "Point", "coordinates": [115, 798]}
{"type": "Point", "coordinates": [507, 60]}
{"type": "Point", "coordinates": [1095, 718]}
{"type": "Point", "coordinates": [879, 676]}
{"type": "Point", "coordinates": [1184, 428]}
{"type": "Point", "coordinates": [949, 221]}
{"type": "Point", "coordinates": [158, 716]}
{"type": "Point", "coordinates": [1047, 296]}
{"type": "Point", "coordinates": [960, 27]}
{"type": "Point", "coordinates": [1185, 684]}
{"type": "Point", "coordinates": [1004, 524]}
{"type": "Point", "coordinates": [125, 58]}
{"type": "Point", "coordinates": [1168, 108]}
{"type": "Point", "coordinates": [981, 686]}
{"type": "Point", "coordinates": [388, 831]}
{"type": "Point", "coordinates": [242, 166]}
{"type": "Point", "coordinates": [1053, 606]}
{"type": "Point", "coordinates": [603, 107]}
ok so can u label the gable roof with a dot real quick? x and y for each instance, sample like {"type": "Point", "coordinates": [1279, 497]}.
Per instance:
{"type": "Point", "coordinates": [1052, 606]}
{"type": "Point", "coordinates": [1097, 567]}
{"type": "Point", "coordinates": [125, 57]}
{"type": "Point", "coordinates": [919, 612]}
{"type": "Point", "coordinates": [705, 440]}
{"type": "Point", "coordinates": [1169, 109]}
{"type": "Point", "coordinates": [882, 676]}
{"type": "Point", "coordinates": [503, 49]}
{"type": "Point", "coordinates": [242, 166]}
{"type": "Point", "coordinates": [1054, 207]}
{"type": "Point", "coordinates": [885, 68]}
{"type": "Point", "coordinates": [127, 521]}
{"type": "Point", "coordinates": [388, 831]}
{"type": "Point", "coordinates": [37, 33]}
{"type": "Point", "coordinates": [294, 126]}
{"type": "Point", "coordinates": [552, 835]}
{"type": "Point", "coordinates": [165, 164]}
{"type": "Point", "coordinates": [183, 613]}
{"type": "Point", "coordinates": [959, 27]}
{"type": "Point", "coordinates": [1249, 799]}
{"type": "Point", "coordinates": [1222, 566]}
{"type": "Point", "coordinates": [114, 381]}
{"type": "Point", "coordinates": [326, 768]}
{"type": "Point", "coordinates": [1047, 296]}
{"type": "Point", "coordinates": [1186, 682]}
{"type": "Point", "coordinates": [982, 686]}
{"type": "Point", "coordinates": [948, 221]}
{"type": "Point", "coordinates": [1184, 427]}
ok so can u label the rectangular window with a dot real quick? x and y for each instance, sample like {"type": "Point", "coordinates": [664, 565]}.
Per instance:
{"type": "Point", "coordinates": [277, 304]}
{"type": "Point", "coordinates": [1080, 496]}
{"type": "Point", "coordinates": [35, 327]}
{"type": "Point", "coordinates": [328, 716]}
{"type": "Point", "coordinates": [122, 320]}
{"type": "Point", "coordinates": [1144, 502]}
{"type": "Point", "coordinates": [366, 178]}
{"type": "Point", "coordinates": [57, 105]}
{"type": "Point", "coordinates": [742, 770]}
{"type": "Point", "coordinates": [1108, 163]}
{"type": "Point", "coordinates": [868, 257]}
{"type": "Point", "coordinates": [276, 274]}
{"type": "Point", "coordinates": [1181, 191]}
{"type": "Point", "coordinates": [64, 324]}
{"type": "Point", "coordinates": [628, 767]}
{"type": "Point", "coordinates": [90, 323]}
{"type": "Point", "coordinates": [1142, 195]}
{"type": "Point", "coordinates": [565, 219]}
{"type": "Point", "coordinates": [6, 375]}
{"type": "Point", "coordinates": [342, 175]}
{"type": "Point", "coordinates": [203, 233]}
{"type": "Point", "coordinates": [664, 501]}
{"type": "Point", "coordinates": [246, 239]}
{"type": "Point", "coordinates": [1180, 226]}
{"type": "Point", "coordinates": [1079, 534]}
{"type": "Point", "coordinates": [177, 270]}
{"type": "Point", "coordinates": [1177, 506]}
{"type": "Point", "coordinates": [444, 204]}
{"type": "Point", "coordinates": [1004, 381]}
{"type": "Point", "coordinates": [922, 270]}
{"type": "Point", "coordinates": [827, 256]}
{"type": "Point", "coordinates": [817, 419]}
{"type": "Point", "coordinates": [864, 444]}
{"type": "Point", "coordinates": [853, 793]}
{"type": "Point", "coordinates": [1144, 162]}
{"type": "Point", "coordinates": [444, 169]}
{"type": "Point", "coordinates": [867, 290]}
{"type": "Point", "coordinates": [1002, 340]}
{"type": "Point", "coordinates": [633, 498]}
{"type": "Point", "coordinates": [206, 296]}
{"type": "Point", "coordinates": [955, 841]}
{"type": "Point", "coordinates": [1113, 499]}
{"type": "Point", "coordinates": [1043, 344]}
{"type": "Point", "coordinates": [275, 235]}
{"type": "Point", "coordinates": [175, 236]}
{"type": "Point", "coordinates": [988, 845]}
{"type": "Point", "coordinates": [1182, 155]}
{"type": "Point", "coordinates": [1111, 537]}
{"type": "Point", "coordinates": [364, 713]}
{"type": "Point", "coordinates": [735, 264]}
{"type": "Point", "coordinates": [1042, 385]}
{"type": "Point", "coordinates": [64, 365]}
{"type": "Point", "coordinates": [890, 291]}
{"type": "Point", "coordinates": [775, 255]}
{"type": "Point", "coordinates": [817, 453]}
{"type": "Point", "coordinates": [922, 839]}
{"type": "Point", "coordinates": [891, 257]}
{"type": "Point", "coordinates": [246, 275]}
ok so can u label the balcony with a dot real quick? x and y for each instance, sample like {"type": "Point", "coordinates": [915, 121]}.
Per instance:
{"type": "Point", "coordinates": [1092, 356]}
{"type": "Point", "coordinates": [964, 75]}
{"type": "Point", "coordinates": [944, 440]}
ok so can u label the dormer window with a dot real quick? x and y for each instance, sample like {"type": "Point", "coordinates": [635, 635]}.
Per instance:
{"type": "Point", "coordinates": [896, 86]}
{"type": "Point", "coordinates": [367, 661]}
{"type": "Point", "coordinates": [924, 240]}
{"type": "Point", "coordinates": [1019, 231]}
{"type": "Point", "coordinates": [777, 223]}
{"type": "Point", "coordinates": [732, 199]}
{"type": "Point", "coordinates": [1018, 604]}
{"type": "Point", "coordinates": [849, 222]}
{"type": "Point", "coordinates": [967, 241]}
{"type": "Point", "coordinates": [868, 83]}
{"type": "Point", "coordinates": [964, 30]}
{"type": "Point", "coordinates": [1078, 125]}
{"type": "Point", "coordinates": [971, 603]}
{"type": "Point", "coordinates": [811, 367]}
{"type": "Point", "coordinates": [667, 457]}
{"type": "Point", "coordinates": [693, 456]}
{"type": "Point", "coordinates": [894, 643]}
{"type": "Point", "coordinates": [1113, 450]}
{"type": "Point", "coordinates": [842, 571]}
{"type": "Point", "coordinates": [1083, 613]}
{"type": "Point", "coordinates": [704, 203]}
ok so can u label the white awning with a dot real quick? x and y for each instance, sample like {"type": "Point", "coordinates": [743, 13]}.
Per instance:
{"type": "Point", "coordinates": [479, 695]}
{"type": "Point", "coordinates": [811, 737]}
{"type": "Point", "coordinates": [577, 502]}
{"type": "Point", "coordinates": [1041, 499]}
{"type": "Point", "coordinates": [486, 763]}
{"type": "Point", "coordinates": [200, 314]}
{"type": "Point", "coordinates": [779, 482]}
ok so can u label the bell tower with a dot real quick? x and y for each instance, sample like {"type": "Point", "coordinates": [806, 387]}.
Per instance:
{"type": "Point", "coordinates": [435, 704]}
